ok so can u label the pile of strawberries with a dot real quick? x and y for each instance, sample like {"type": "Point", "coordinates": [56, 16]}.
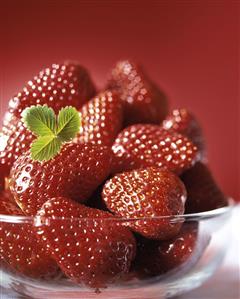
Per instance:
{"type": "Point", "coordinates": [98, 204]}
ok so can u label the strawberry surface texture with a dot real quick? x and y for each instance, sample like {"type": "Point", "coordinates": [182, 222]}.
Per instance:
{"type": "Point", "coordinates": [143, 101]}
{"type": "Point", "coordinates": [101, 119]}
{"type": "Point", "coordinates": [203, 192]}
{"type": "Point", "coordinates": [57, 86]}
{"type": "Point", "coordinates": [76, 172]}
{"type": "Point", "coordinates": [185, 123]}
{"type": "Point", "coordinates": [158, 257]}
{"type": "Point", "coordinates": [142, 145]}
{"type": "Point", "coordinates": [20, 248]}
{"type": "Point", "coordinates": [90, 246]}
{"type": "Point", "coordinates": [148, 194]}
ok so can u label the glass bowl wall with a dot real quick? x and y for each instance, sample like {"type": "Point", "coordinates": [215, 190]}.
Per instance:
{"type": "Point", "coordinates": [214, 236]}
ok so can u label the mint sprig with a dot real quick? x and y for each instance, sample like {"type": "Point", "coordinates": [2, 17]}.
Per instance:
{"type": "Point", "coordinates": [51, 131]}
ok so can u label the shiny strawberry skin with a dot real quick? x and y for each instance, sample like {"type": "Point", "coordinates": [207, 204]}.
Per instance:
{"type": "Point", "coordinates": [58, 86]}
{"type": "Point", "coordinates": [143, 101]}
{"type": "Point", "coordinates": [147, 145]}
{"type": "Point", "coordinates": [2, 182]}
{"type": "Point", "coordinates": [101, 119]}
{"type": "Point", "coordinates": [8, 205]}
{"type": "Point", "coordinates": [15, 140]}
{"type": "Point", "coordinates": [90, 246]}
{"type": "Point", "coordinates": [147, 193]}
{"type": "Point", "coordinates": [158, 257]}
{"type": "Point", "coordinates": [183, 122]}
{"type": "Point", "coordinates": [203, 192]}
{"type": "Point", "coordinates": [19, 245]}
{"type": "Point", "coordinates": [75, 172]}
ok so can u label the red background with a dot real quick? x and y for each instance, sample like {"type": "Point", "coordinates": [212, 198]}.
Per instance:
{"type": "Point", "coordinates": [189, 47]}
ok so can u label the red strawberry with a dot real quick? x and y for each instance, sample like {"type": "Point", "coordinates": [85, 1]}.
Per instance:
{"type": "Point", "coordinates": [89, 245]}
{"type": "Point", "coordinates": [158, 257]}
{"type": "Point", "coordinates": [144, 102]}
{"type": "Point", "coordinates": [75, 172]}
{"type": "Point", "coordinates": [59, 86]}
{"type": "Point", "coordinates": [147, 193]}
{"type": "Point", "coordinates": [8, 205]}
{"type": "Point", "coordinates": [2, 181]}
{"type": "Point", "coordinates": [183, 122]}
{"type": "Point", "coordinates": [14, 141]}
{"type": "Point", "coordinates": [203, 192]}
{"type": "Point", "coordinates": [101, 119]}
{"type": "Point", "coordinates": [149, 145]}
{"type": "Point", "coordinates": [19, 246]}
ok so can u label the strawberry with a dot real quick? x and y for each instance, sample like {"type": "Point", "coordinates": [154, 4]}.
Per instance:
{"type": "Point", "coordinates": [75, 172]}
{"type": "Point", "coordinates": [158, 257]}
{"type": "Point", "coordinates": [149, 145]}
{"type": "Point", "coordinates": [2, 181]}
{"type": "Point", "coordinates": [89, 245]}
{"type": "Point", "coordinates": [101, 119]}
{"type": "Point", "coordinates": [14, 141]}
{"type": "Point", "coordinates": [203, 192]}
{"type": "Point", "coordinates": [143, 101]}
{"type": "Point", "coordinates": [8, 204]}
{"type": "Point", "coordinates": [57, 86]}
{"type": "Point", "coordinates": [147, 193]}
{"type": "Point", "coordinates": [19, 246]}
{"type": "Point", "coordinates": [183, 122]}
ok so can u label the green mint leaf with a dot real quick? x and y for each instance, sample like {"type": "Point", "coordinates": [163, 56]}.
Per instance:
{"type": "Point", "coordinates": [41, 120]}
{"type": "Point", "coordinates": [45, 148]}
{"type": "Point", "coordinates": [68, 123]}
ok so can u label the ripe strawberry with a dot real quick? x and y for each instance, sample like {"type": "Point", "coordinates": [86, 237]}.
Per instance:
{"type": "Point", "coordinates": [8, 205]}
{"type": "Point", "coordinates": [147, 193]}
{"type": "Point", "coordinates": [89, 245]}
{"type": "Point", "coordinates": [2, 181]}
{"type": "Point", "coordinates": [19, 246]}
{"type": "Point", "coordinates": [183, 122]}
{"type": "Point", "coordinates": [144, 101]}
{"type": "Point", "coordinates": [101, 119]}
{"type": "Point", "coordinates": [14, 141]}
{"type": "Point", "coordinates": [149, 145]}
{"type": "Point", "coordinates": [158, 257]}
{"type": "Point", "coordinates": [75, 172]}
{"type": "Point", "coordinates": [58, 86]}
{"type": "Point", "coordinates": [203, 192]}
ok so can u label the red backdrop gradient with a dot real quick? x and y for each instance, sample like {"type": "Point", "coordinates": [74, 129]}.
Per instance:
{"type": "Point", "coordinates": [189, 47]}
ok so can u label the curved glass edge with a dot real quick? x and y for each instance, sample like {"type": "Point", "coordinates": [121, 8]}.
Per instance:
{"type": "Point", "coordinates": [39, 220]}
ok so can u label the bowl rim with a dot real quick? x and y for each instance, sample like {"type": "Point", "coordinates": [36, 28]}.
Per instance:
{"type": "Point", "coordinates": [40, 220]}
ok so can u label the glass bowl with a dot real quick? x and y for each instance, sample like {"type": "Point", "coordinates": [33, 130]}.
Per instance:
{"type": "Point", "coordinates": [212, 240]}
